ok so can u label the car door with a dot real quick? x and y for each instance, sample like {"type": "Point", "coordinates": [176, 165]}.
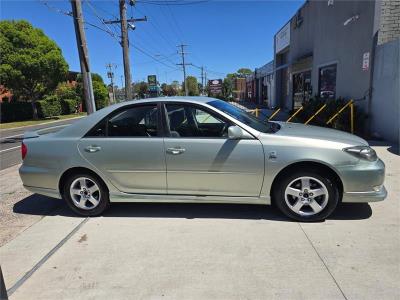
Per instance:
{"type": "Point", "coordinates": [202, 160]}
{"type": "Point", "coordinates": [128, 148]}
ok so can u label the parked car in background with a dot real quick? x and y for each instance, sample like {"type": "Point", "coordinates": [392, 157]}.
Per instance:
{"type": "Point", "coordinates": [199, 149]}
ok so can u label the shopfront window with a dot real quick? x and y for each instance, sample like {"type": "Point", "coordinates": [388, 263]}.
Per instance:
{"type": "Point", "coordinates": [327, 82]}
{"type": "Point", "coordinates": [302, 89]}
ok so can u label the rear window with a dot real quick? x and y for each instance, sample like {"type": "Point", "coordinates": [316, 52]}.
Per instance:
{"type": "Point", "coordinates": [137, 121]}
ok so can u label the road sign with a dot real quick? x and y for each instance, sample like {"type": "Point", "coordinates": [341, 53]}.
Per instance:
{"type": "Point", "coordinates": [215, 87]}
{"type": "Point", "coordinates": [152, 80]}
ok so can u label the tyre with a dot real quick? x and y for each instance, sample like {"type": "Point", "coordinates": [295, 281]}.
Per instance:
{"type": "Point", "coordinates": [306, 195]}
{"type": "Point", "coordinates": [86, 195]}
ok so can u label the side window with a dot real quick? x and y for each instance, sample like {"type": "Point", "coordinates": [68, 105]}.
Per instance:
{"type": "Point", "coordinates": [137, 121]}
{"type": "Point", "coordinates": [134, 121]}
{"type": "Point", "coordinates": [192, 121]}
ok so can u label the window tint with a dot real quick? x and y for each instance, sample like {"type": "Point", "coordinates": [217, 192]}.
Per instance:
{"type": "Point", "coordinates": [191, 121]}
{"type": "Point", "coordinates": [135, 121]}
{"type": "Point", "coordinates": [132, 122]}
{"type": "Point", "coordinates": [98, 130]}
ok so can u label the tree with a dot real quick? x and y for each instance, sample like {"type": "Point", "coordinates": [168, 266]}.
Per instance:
{"type": "Point", "coordinates": [227, 88]}
{"type": "Point", "coordinates": [65, 91]}
{"type": "Point", "coordinates": [141, 89]}
{"type": "Point", "coordinates": [193, 88]}
{"type": "Point", "coordinates": [100, 90]}
{"type": "Point", "coordinates": [169, 89]}
{"type": "Point", "coordinates": [243, 72]}
{"type": "Point", "coordinates": [31, 63]}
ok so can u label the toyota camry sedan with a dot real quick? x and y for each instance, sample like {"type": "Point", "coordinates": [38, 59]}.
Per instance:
{"type": "Point", "coordinates": [203, 150]}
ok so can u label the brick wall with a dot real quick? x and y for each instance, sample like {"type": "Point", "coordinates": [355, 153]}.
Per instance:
{"type": "Point", "coordinates": [390, 21]}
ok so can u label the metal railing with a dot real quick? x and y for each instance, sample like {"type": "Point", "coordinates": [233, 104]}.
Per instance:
{"type": "Point", "coordinates": [301, 108]}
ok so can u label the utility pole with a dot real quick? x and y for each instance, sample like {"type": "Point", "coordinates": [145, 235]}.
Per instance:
{"type": "Point", "coordinates": [110, 74]}
{"type": "Point", "coordinates": [125, 25]}
{"type": "Point", "coordinates": [202, 80]}
{"type": "Point", "coordinates": [83, 56]}
{"type": "Point", "coordinates": [183, 64]}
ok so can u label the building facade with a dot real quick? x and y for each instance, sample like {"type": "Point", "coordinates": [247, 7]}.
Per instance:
{"type": "Point", "coordinates": [260, 85]}
{"type": "Point", "coordinates": [328, 48]}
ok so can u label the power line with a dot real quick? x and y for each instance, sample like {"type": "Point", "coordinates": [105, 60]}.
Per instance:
{"type": "Point", "coordinates": [171, 2]}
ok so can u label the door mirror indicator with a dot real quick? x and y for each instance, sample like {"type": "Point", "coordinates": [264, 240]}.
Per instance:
{"type": "Point", "coordinates": [235, 132]}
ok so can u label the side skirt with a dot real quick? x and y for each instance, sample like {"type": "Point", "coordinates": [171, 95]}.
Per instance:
{"type": "Point", "coordinates": [126, 197]}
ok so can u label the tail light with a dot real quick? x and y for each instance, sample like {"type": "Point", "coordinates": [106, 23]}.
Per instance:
{"type": "Point", "coordinates": [24, 150]}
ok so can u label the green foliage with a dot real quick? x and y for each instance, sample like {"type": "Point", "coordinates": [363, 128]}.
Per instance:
{"type": "Point", "coordinates": [243, 72]}
{"type": "Point", "coordinates": [342, 122]}
{"type": "Point", "coordinates": [100, 94]}
{"type": "Point", "coordinates": [50, 106]}
{"type": "Point", "coordinates": [68, 106]}
{"type": "Point", "coordinates": [227, 88]}
{"type": "Point", "coordinates": [31, 63]}
{"type": "Point", "coordinates": [66, 91]}
{"type": "Point", "coordinates": [99, 90]}
{"type": "Point", "coordinates": [169, 90]}
{"type": "Point", "coordinates": [15, 111]}
{"type": "Point", "coordinates": [193, 87]}
{"type": "Point", "coordinates": [140, 89]}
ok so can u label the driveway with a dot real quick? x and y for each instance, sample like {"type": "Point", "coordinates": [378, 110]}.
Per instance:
{"type": "Point", "coordinates": [193, 251]}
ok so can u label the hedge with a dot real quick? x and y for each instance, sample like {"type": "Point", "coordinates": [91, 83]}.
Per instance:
{"type": "Point", "coordinates": [15, 111]}
{"type": "Point", "coordinates": [50, 106]}
{"type": "Point", "coordinates": [68, 106]}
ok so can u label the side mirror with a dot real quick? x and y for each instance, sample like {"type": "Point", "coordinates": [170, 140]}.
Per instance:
{"type": "Point", "coordinates": [235, 132]}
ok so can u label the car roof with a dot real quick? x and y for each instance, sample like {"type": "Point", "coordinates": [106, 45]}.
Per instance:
{"type": "Point", "coordinates": [86, 123]}
{"type": "Point", "coordinates": [199, 99]}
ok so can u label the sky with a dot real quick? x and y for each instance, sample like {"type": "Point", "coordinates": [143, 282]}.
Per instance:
{"type": "Point", "coordinates": [221, 35]}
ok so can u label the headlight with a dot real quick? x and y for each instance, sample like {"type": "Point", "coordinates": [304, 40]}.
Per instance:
{"type": "Point", "coordinates": [362, 152]}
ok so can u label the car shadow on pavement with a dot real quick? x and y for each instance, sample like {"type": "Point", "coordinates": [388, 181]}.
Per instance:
{"type": "Point", "coordinates": [46, 206]}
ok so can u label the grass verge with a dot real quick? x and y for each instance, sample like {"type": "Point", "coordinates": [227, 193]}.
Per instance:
{"type": "Point", "coordinates": [38, 122]}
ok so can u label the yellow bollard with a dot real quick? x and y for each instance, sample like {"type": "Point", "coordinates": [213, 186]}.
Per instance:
{"type": "Point", "coordinates": [274, 114]}
{"type": "Point", "coordinates": [314, 115]}
{"type": "Point", "coordinates": [342, 109]}
{"type": "Point", "coordinates": [296, 112]}
{"type": "Point", "coordinates": [257, 112]}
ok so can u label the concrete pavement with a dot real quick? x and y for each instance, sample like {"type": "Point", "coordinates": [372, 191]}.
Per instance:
{"type": "Point", "coordinates": [193, 251]}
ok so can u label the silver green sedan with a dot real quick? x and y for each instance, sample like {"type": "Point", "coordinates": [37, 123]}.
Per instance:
{"type": "Point", "coordinates": [204, 150]}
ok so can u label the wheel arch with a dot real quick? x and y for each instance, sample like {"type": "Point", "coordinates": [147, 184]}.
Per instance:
{"type": "Point", "coordinates": [314, 165]}
{"type": "Point", "coordinates": [76, 170]}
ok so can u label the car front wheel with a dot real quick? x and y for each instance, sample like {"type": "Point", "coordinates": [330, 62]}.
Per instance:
{"type": "Point", "coordinates": [86, 195]}
{"type": "Point", "coordinates": [306, 196]}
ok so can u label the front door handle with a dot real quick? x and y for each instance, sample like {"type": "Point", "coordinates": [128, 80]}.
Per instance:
{"type": "Point", "coordinates": [175, 151]}
{"type": "Point", "coordinates": [92, 149]}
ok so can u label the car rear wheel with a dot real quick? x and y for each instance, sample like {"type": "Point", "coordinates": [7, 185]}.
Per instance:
{"type": "Point", "coordinates": [86, 195]}
{"type": "Point", "coordinates": [306, 195]}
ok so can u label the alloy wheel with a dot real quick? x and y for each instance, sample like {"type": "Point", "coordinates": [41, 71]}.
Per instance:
{"type": "Point", "coordinates": [85, 193]}
{"type": "Point", "coordinates": [306, 196]}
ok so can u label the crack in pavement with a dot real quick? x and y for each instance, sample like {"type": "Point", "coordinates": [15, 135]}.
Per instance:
{"type": "Point", "coordinates": [323, 262]}
{"type": "Point", "coordinates": [28, 274]}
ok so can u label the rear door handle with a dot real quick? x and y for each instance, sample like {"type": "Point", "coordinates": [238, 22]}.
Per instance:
{"type": "Point", "coordinates": [92, 149]}
{"type": "Point", "coordinates": [175, 151]}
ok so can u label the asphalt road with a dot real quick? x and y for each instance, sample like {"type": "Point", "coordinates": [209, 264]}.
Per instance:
{"type": "Point", "coordinates": [10, 141]}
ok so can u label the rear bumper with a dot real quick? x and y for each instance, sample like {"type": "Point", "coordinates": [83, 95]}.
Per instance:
{"type": "Point", "coordinates": [43, 191]}
{"type": "Point", "coordinates": [373, 196]}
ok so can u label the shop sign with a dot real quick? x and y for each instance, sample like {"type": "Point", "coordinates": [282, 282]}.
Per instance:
{"type": "Point", "coordinates": [282, 38]}
{"type": "Point", "coordinates": [365, 62]}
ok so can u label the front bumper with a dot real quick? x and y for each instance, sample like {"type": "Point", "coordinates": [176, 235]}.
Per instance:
{"type": "Point", "coordinates": [363, 182]}
{"type": "Point", "coordinates": [357, 197]}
